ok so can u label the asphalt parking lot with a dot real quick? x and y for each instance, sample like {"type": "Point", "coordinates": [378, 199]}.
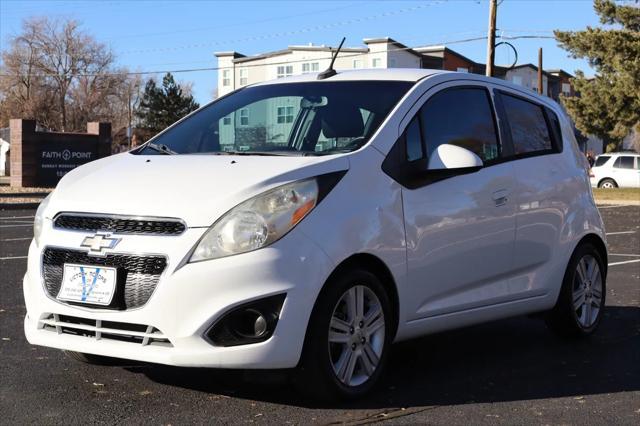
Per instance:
{"type": "Point", "coordinates": [507, 372]}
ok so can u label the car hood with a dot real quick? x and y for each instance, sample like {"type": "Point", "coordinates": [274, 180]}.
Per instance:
{"type": "Point", "coordinates": [195, 188]}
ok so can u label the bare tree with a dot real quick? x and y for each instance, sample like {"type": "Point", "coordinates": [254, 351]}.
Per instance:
{"type": "Point", "coordinates": [61, 76]}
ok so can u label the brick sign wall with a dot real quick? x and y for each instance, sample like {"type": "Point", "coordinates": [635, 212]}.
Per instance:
{"type": "Point", "coordinates": [41, 159]}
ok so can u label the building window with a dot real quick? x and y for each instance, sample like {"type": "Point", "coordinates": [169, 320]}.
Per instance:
{"type": "Point", "coordinates": [462, 69]}
{"type": "Point", "coordinates": [392, 63]}
{"type": "Point", "coordinates": [308, 67]}
{"type": "Point", "coordinates": [244, 77]}
{"type": "Point", "coordinates": [566, 88]}
{"type": "Point", "coordinates": [285, 115]}
{"type": "Point", "coordinates": [285, 71]}
{"type": "Point", "coordinates": [226, 78]}
{"type": "Point", "coordinates": [517, 79]}
{"type": "Point", "coordinates": [244, 117]}
{"type": "Point", "coordinates": [357, 63]}
{"type": "Point", "coordinates": [226, 120]}
{"type": "Point", "coordinates": [376, 63]}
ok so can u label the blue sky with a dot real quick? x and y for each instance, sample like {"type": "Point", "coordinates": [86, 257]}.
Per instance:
{"type": "Point", "coordinates": [169, 35]}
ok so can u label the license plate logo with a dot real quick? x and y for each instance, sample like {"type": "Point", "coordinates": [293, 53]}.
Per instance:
{"type": "Point", "coordinates": [88, 284]}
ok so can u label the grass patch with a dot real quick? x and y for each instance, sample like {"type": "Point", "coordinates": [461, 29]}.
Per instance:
{"type": "Point", "coordinates": [626, 194]}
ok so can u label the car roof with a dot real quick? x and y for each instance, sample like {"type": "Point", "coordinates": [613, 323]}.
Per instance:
{"type": "Point", "coordinates": [389, 74]}
{"type": "Point", "coordinates": [403, 74]}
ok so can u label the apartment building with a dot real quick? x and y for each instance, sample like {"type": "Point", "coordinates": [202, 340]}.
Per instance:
{"type": "Point", "coordinates": [237, 70]}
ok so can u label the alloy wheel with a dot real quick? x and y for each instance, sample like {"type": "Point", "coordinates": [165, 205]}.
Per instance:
{"type": "Point", "coordinates": [587, 291]}
{"type": "Point", "coordinates": [356, 335]}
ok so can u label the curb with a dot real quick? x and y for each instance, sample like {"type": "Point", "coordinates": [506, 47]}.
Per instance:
{"type": "Point", "coordinates": [18, 206]}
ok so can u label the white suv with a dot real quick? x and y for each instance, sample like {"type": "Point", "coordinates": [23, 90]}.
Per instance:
{"type": "Point", "coordinates": [309, 223]}
{"type": "Point", "coordinates": [616, 170]}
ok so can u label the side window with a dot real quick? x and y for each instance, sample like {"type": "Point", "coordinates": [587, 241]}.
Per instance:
{"type": "Point", "coordinates": [624, 162]}
{"type": "Point", "coordinates": [529, 130]}
{"type": "Point", "coordinates": [601, 160]}
{"type": "Point", "coordinates": [556, 130]}
{"type": "Point", "coordinates": [462, 117]}
{"type": "Point", "coordinates": [413, 140]}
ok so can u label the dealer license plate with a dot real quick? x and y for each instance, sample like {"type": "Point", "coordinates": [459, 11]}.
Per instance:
{"type": "Point", "coordinates": [88, 284]}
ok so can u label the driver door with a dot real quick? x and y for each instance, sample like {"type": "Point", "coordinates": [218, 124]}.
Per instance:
{"type": "Point", "coordinates": [460, 230]}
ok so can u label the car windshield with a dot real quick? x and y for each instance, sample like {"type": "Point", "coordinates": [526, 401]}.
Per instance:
{"type": "Point", "coordinates": [310, 118]}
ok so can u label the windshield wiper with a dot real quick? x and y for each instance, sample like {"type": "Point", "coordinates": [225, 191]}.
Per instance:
{"type": "Point", "coordinates": [161, 148]}
{"type": "Point", "coordinates": [261, 153]}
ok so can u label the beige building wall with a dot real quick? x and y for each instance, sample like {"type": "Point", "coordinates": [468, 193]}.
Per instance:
{"type": "Point", "coordinates": [236, 70]}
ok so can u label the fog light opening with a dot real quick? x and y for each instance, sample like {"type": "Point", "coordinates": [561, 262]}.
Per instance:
{"type": "Point", "coordinates": [252, 322]}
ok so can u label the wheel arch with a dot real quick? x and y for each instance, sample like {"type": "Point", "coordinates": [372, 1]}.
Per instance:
{"type": "Point", "coordinates": [599, 244]}
{"type": "Point", "coordinates": [376, 266]}
{"type": "Point", "coordinates": [607, 178]}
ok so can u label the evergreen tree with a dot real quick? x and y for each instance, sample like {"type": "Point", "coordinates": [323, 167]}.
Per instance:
{"type": "Point", "coordinates": [608, 105]}
{"type": "Point", "coordinates": [162, 106]}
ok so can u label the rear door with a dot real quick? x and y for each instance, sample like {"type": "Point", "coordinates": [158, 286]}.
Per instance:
{"type": "Point", "coordinates": [625, 172]}
{"type": "Point", "coordinates": [460, 230]}
{"type": "Point", "coordinates": [543, 187]}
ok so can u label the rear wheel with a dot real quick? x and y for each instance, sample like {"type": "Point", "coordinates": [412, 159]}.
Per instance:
{"type": "Point", "coordinates": [608, 184]}
{"type": "Point", "coordinates": [348, 337]}
{"type": "Point", "coordinates": [581, 302]}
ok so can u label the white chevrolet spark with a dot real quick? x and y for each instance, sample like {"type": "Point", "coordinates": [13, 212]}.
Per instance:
{"type": "Point", "coordinates": [308, 224]}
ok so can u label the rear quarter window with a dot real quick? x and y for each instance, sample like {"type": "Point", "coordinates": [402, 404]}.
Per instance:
{"type": "Point", "coordinates": [528, 126]}
{"type": "Point", "coordinates": [601, 160]}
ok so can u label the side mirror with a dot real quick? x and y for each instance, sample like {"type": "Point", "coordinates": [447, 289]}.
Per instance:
{"type": "Point", "coordinates": [452, 157]}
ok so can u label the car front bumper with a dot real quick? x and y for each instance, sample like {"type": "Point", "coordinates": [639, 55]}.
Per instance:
{"type": "Point", "coordinates": [186, 302]}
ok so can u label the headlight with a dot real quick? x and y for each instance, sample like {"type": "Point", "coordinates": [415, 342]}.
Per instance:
{"type": "Point", "coordinates": [38, 221]}
{"type": "Point", "coordinates": [259, 221]}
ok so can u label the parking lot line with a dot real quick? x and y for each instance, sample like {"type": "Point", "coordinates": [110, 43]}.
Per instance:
{"type": "Point", "coordinates": [13, 226]}
{"type": "Point", "coordinates": [15, 239]}
{"type": "Point", "coordinates": [620, 254]}
{"type": "Point", "coordinates": [13, 257]}
{"type": "Point", "coordinates": [621, 232]}
{"type": "Point", "coordinates": [624, 262]}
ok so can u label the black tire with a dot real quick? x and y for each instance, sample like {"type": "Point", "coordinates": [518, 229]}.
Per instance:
{"type": "Point", "coordinates": [563, 318]}
{"type": "Point", "coordinates": [606, 182]}
{"type": "Point", "coordinates": [90, 358]}
{"type": "Point", "coordinates": [315, 374]}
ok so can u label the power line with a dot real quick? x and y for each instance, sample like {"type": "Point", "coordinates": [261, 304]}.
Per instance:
{"type": "Point", "coordinates": [187, 70]}
{"type": "Point", "coordinates": [288, 33]}
{"type": "Point", "coordinates": [260, 21]}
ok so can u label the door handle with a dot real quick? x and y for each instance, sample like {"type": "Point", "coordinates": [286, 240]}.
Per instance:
{"type": "Point", "coordinates": [500, 197]}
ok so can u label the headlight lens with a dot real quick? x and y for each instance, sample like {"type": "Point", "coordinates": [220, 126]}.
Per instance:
{"type": "Point", "coordinates": [259, 221]}
{"type": "Point", "coordinates": [38, 220]}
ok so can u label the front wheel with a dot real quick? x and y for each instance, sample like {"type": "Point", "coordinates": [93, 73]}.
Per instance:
{"type": "Point", "coordinates": [348, 337]}
{"type": "Point", "coordinates": [581, 302]}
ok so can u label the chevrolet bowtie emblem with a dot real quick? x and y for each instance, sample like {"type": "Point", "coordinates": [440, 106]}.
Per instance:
{"type": "Point", "coordinates": [99, 242]}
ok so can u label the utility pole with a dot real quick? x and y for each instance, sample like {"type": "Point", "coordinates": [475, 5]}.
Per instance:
{"type": "Point", "coordinates": [491, 37]}
{"type": "Point", "coordinates": [540, 91]}
{"type": "Point", "coordinates": [129, 114]}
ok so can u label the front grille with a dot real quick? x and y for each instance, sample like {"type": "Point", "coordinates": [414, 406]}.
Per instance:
{"type": "Point", "coordinates": [109, 330]}
{"type": "Point", "coordinates": [137, 275]}
{"type": "Point", "coordinates": [119, 225]}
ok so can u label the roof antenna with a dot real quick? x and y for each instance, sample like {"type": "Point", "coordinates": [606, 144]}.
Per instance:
{"type": "Point", "coordinates": [330, 72]}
